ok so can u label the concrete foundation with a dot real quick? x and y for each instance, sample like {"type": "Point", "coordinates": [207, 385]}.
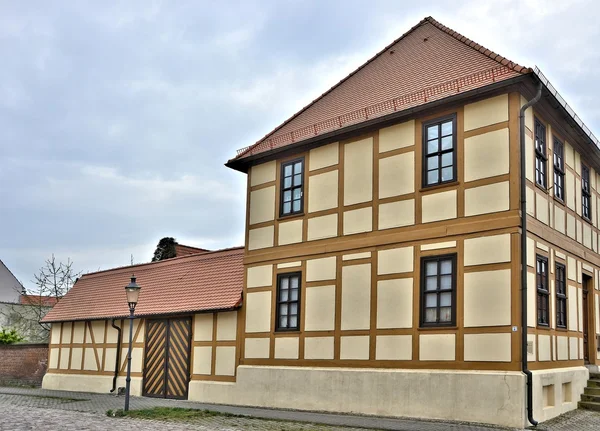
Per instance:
{"type": "Point", "coordinates": [88, 383]}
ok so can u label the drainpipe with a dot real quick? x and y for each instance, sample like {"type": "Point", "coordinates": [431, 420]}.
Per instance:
{"type": "Point", "coordinates": [118, 356]}
{"type": "Point", "coordinates": [524, 258]}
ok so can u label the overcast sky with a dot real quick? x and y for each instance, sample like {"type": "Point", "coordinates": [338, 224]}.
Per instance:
{"type": "Point", "coordinates": [116, 117]}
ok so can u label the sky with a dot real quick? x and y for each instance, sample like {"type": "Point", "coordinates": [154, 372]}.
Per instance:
{"type": "Point", "coordinates": [116, 118]}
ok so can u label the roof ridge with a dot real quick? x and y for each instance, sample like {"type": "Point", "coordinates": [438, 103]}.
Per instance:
{"type": "Point", "coordinates": [479, 48]}
{"type": "Point", "coordinates": [198, 256]}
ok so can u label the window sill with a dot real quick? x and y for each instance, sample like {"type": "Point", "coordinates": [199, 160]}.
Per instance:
{"type": "Point", "coordinates": [427, 189]}
{"type": "Point", "coordinates": [544, 327]}
{"type": "Point", "coordinates": [291, 216]}
{"type": "Point", "coordinates": [541, 187]}
{"type": "Point", "coordinates": [587, 220]}
{"type": "Point", "coordinates": [560, 201]}
{"type": "Point", "coordinates": [286, 331]}
{"type": "Point", "coordinates": [437, 328]}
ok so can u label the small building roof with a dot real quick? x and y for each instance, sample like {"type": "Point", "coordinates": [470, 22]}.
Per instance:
{"type": "Point", "coordinates": [199, 282]}
{"type": "Point", "coordinates": [38, 300]}
{"type": "Point", "coordinates": [185, 250]}
{"type": "Point", "coordinates": [427, 63]}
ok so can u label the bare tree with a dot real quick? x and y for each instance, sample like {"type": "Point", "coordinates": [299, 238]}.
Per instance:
{"type": "Point", "coordinates": [52, 282]}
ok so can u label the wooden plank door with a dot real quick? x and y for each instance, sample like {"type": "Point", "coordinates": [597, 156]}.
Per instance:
{"type": "Point", "coordinates": [167, 359]}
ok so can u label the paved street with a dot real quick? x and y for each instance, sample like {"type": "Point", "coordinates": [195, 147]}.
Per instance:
{"type": "Point", "coordinates": [38, 409]}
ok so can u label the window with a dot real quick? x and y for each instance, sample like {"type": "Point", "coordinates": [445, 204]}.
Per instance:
{"type": "Point", "coordinates": [559, 170]}
{"type": "Point", "coordinates": [439, 151]}
{"type": "Point", "coordinates": [586, 196]}
{"type": "Point", "coordinates": [292, 186]}
{"type": "Point", "coordinates": [288, 302]}
{"type": "Point", "coordinates": [540, 153]}
{"type": "Point", "coordinates": [561, 297]}
{"type": "Point", "coordinates": [438, 290]}
{"type": "Point", "coordinates": [541, 270]}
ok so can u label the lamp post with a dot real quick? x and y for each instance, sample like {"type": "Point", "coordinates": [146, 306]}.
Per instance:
{"type": "Point", "coordinates": [133, 292]}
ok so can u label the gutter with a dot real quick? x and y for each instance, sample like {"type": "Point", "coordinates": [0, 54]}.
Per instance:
{"type": "Point", "coordinates": [117, 356]}
{"type": "Point", "coordinates": [524, 258]}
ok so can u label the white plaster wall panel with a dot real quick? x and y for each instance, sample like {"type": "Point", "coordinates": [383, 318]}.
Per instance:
{"type": "Point", "coordinates": [530, 252]}
{"type": "Point", "coordinates": [573, 348]}
{"type": "Point", "coordinates": [531, 355]}
{"type": "Point", "coordinates": [579, 231]}
{"type": "Point", "coordinates": [53, 358]}
{"type": "Point", "coordinates": [323, 191]}
{"type": "Point", "coordinates": [356, 295]}
{"type": "Point", "coordinates": [562, 348]}
{"type": "Point", "coordinates": [202, 360]}
{"type": "Point", "coordinates": [529, 152]}
{"type": "Point", "coordinates": [587, 267]}
{"type": "Point", "coordinates": [289, 264]}
{"type": "Point", "coordinates": [111, 334]}
{"type": "Point", "coordinates": [257, 348]}
{"type": "Point", "coordinates": [486, 112]}
{"type": "Point", "coordinates": [98, 331]}
{"type": "Point", "coordinates": [258, 312]}
{"type": "Point", "coordinates": [321, 269]}
{"type": "Point", "coordinates": [397, 175]}
{"type": "Point", "coordinates": [559, 219]}
{"type": "Point", "coordinates": [528, 114]}
{"type": "Point", "coordinates": [110, 359]}
{"type": "Point", "coordinates": [577, 162]}
{"type": "Point", "coordinates": [397, 214]}
{"type": "Point", "coordinates": [263, 173]}
{"type": "Point", "coordinates": [397, 136]}
{"type": "Point", "coordinates": [438, 206]}
{"type": "Point", "coordinates": [487, 199]}
{"type": "Point", "coordinates": [530, 196]}
{"type": "Point", "coordinates": [541, 208]}
{"type": "Point", "coordinates": [487, 347]}
{"type": "Point", "coordinates": [486, 155]}
{"type": "Point", "coordinates": [290, 232]}
{"type": "Point", "coordinates": [569, 189]}
{"type": "Point", "coordinates": [76, 358]}
{"type": "Point", "coordinates": [358, 171]}
{"type": "Point", "coordinates": [570, 226]}
{"type": "Point", "coordinates": [560, 255]}
{"type": "Point", "coordinates": [580, 309]}
{"type": "Point", "coordinates": [579, 275]}
{"type": "Point", "coordinates": [544, 348]}
{"type": "Point", "coordinates": [78, 332]}
{"type": "Point", "coordinates": [487, 298]}
{"type": "Point", "coordinates": [227, 326]}
{"type": "Point", "coordinates": [65, 352]}
{"type": "Point", "coordinates": [89, 359]}
{"type": "Point", "coordinates": [580, 348]}
{"type": "Point", "coordinates": [438, 245]}
{"type": "Point", "coordinates": [286, 347]}
{"type": "Point", "coordinates": [322, 157]}
{"type": "Point", "coordinates": [318, 348]}
{"type": "Point", "coordinates": [225, 361]}
{"type": "Point", "coordinates": [354, 347]}
{"type": "Point", "coordinates": [572, 308]}
{"type": "Point", "coordinates": [137, 354]}
{"type": "Point", "coordinates": [531, 298]}
{"type": "Point", "coordinates": [55, 333]}
{"type": "Point", "coordinates": [66, 332]}
{"type": "Point", "coordinates": [358, 221]}
{"type": "Point", "coordinates": [569, 155]}
{"type": "Point", "coordinates": [393, 348]}
{"type": "Point", "coordinates": [260, 238]}
{"type": "Point", "coordinates": [355, 256]}
{"type": "Point", "coordinates": [597, 313]}
{"type": "Point", "coordinates": [394, 303]}
{"type": "Point", "coordinates": [322, 227]}
{"type": "Point", "coordinates": [437, 347]}
{"type": "Point", "coordinates": [587, 236]}
{"type": "Point", "coordinates": [544, 247]}
{"type": "Point", "coordinates": [395, 260]}
{"type": "Point", "coordinates": [571, 268]}
{"type": "Point", "coordinates": [487, 249]}
{"type": "Point", "coordinates": [320, 308]}
{"type": "Point", "coordinates": [203, 327]}
{"type": "Point", "coordinates": [259, 276]}
{"type": "Point", "coordinates": [262, 205]}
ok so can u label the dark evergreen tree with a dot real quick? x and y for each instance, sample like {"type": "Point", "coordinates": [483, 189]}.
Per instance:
{"type": "Point", "coordinates": [165, 249]}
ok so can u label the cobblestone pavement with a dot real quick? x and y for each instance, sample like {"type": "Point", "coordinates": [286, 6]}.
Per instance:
{"type": "Point", "coordinates": [40, 410]}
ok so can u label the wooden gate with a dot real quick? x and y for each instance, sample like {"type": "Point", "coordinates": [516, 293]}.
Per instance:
{"type": "Point", "coordinates": [167, 366]}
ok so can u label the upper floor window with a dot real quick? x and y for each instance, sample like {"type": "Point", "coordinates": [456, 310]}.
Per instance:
{"type": "Point", "coordinates": [559, 170]}
{"type": "Point", "coordinates": [561, 297]}
{"type": "Point", "coordinates": [438, 290]}
{"type": "Point", "coordinates": [586, 195]}
{"type": "Point", "coordinates": [288, 302]}
{"type": "Point", "coordinates": [543, 294]}
{"type": "Point", "coordinates": [292, 187]}
{"type": "Point", "coordinates": [439, 151]}
{"type": "Point", "coordinates": [540, 153]}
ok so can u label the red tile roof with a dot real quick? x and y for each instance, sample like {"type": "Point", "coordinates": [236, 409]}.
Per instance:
{"type": "Point", "coordinates": [185, 250]}
{"type": "Point", "coordinates": [199, 282]}
{"type": "Point", "coordinates": [429, 62]}
{"type": "Point", "coordinates": [45, 301]}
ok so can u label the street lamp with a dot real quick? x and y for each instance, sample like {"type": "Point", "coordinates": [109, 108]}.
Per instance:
{"type": "Point", "coordinates": [133, 292]}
